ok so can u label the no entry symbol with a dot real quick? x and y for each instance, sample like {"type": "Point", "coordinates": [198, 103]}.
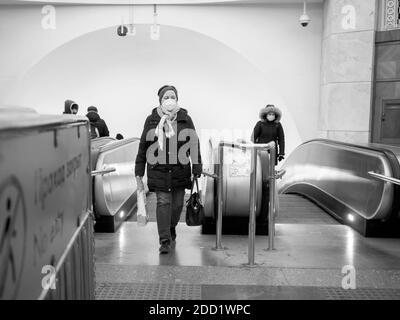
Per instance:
{"type": "Point", "coordinates": [12, 237]}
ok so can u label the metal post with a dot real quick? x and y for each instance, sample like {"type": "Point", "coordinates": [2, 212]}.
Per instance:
{"type": "Point", "coordinates": [218, 245]}
{"type": "Point", "coordinates": [252, 217]}
{"type": "Point", "coordinates": [384, 178]}
{"type": "Point", "coordinates": [272, 187]}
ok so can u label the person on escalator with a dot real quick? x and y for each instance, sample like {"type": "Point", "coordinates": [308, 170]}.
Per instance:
{"type": "Point", "coordinates": [98, 126]}
{"type": "Point", "coordinates": [70, 107]}
{"type": "Point", "coordinates": [168, 141]}
{"type": "Point", "coordinates": [119, 136]}
{"type": "Point", "coordinates": [269, 128]}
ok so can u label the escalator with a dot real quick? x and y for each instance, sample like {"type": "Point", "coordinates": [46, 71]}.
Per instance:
{"type": "Point", "coordinates": [325, 182]}
{"type": "Point", "coordinates": [114, 188]}
{"type": "Point", "coordinates": [296, 209]}
{"type": "Point", "coordinates": [337, 177]}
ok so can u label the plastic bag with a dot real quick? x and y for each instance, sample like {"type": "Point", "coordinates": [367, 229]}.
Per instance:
{"type": "Point", "coordinates": [142, 217]}
{"type": "Point", "coordinates": [277, 207]}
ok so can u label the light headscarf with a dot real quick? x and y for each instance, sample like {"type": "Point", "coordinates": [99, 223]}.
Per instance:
{"type": "Point", "coordinates": [166, 124]}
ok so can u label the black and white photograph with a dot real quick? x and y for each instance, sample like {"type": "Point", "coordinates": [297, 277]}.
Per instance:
{"type": "Point", "coordinates": [196, 157]}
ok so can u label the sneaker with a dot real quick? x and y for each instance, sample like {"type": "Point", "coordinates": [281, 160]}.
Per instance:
{"type": "Point", "coordinates": [165, 247]}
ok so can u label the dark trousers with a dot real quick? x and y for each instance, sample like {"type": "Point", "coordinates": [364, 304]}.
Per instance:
{"type": "Point", "coordinates": [169, 209]}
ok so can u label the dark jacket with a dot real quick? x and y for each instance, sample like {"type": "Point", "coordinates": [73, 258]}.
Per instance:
{"type": "Point", "coordinates": [266, 131]}
{"type": "Point", "coordinates": [170, 168]}
{"type": "Point", "coordinates": [68, 105]}
{"type": "Point", "coordinates": [98, 123]}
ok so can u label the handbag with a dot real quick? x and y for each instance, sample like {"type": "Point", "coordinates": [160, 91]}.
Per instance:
{"type": "Point", "coordinates": [194, 207]}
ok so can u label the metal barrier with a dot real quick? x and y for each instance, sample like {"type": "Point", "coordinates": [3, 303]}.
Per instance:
{"type": "Point", "coordinates": [271, 147]}
{"type": "Point", "coordinates": [102, 172]}
{"type": "Point", "coordinates": [74, 277]}
{"type": "Point", "coordinates": [384, 178]}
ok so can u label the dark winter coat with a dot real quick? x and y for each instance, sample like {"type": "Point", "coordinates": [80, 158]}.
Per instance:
{"type": "Point", "coordinates": [266, 131]}
{"type": "Point", "coordinates": [68, 104]}
{"type": "Point", "coordinates": [165, 170]}
{"type": "Point", "coordinates": [98, 123]}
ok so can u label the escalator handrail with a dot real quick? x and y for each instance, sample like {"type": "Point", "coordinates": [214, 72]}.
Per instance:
{"type": "Point", "coordinates": [103, 171]}
{"type": "Point", "coordinates": [384, 178]}
{"type": "Point", "coordinates": [117, 144]}
{"type": "Point", "coordinates": [394, 163]}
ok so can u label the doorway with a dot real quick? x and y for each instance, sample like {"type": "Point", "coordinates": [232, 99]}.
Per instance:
{"type": "Point", "coordinates": [386, 104]}
{"type": "Point", "coordinates": [388, 126]}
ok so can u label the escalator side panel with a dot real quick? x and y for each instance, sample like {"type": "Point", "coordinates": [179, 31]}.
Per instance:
{"type": "Point", "coordinates": [342, 173]}
{"type": "Point", "coordinates": [236, 190]}
{"type": "Point", "coordinates": [236, 186]}
{"type": "Point", "coordinates": [335, 176]}
{"type": "Point", "coordinates": [114, 189]}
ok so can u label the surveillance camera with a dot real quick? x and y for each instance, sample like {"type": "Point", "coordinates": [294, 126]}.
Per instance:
{"type": "Point", "coordinates": [305, 20]}
{"type": "Point", "coordinates": [122, 31]}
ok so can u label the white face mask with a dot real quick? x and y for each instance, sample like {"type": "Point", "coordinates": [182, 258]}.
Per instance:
{"type": "Point", "coordinates": [169, 104]}
{"type": "Point", "coordinates": [270, 117]}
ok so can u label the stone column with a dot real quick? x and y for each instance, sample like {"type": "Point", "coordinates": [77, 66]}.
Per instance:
{"type": "Point", "coordinates": [347, 69]}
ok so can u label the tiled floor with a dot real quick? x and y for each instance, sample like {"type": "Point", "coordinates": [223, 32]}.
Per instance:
{"type": "Point", "coordinates": [307, 262]}
{"type": "Point", "coordinates": [178, 291]}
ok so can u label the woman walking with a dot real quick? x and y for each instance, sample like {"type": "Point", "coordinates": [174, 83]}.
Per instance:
{"type": "Point", "coordinates": [170, 147]}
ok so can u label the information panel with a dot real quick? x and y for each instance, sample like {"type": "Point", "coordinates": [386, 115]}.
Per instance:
{"type": "Point", "coordinates": [44, 189]}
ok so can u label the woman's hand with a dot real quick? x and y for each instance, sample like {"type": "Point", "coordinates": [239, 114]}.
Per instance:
{"type": "Point", "coordinates": [197, 170]}
{"type": "Point", "coordinates": [139, 183]}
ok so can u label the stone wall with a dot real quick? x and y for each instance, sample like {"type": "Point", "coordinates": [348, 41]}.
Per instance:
{"type": "Point", "coordinates": [347, 69]}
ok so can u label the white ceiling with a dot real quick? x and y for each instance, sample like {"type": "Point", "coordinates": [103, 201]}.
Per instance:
{"type": "Point", "coordinates": [142, 2]}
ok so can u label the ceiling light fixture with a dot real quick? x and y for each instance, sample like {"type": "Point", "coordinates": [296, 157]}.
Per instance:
{"type": "Point", "coordinates": [132, 28]}
{"type": "Point", "coordinates": [155, 27]}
